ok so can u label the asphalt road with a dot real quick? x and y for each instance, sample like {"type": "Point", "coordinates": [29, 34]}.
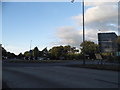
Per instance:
{"type": "Point", "coordinates": [57, 76]}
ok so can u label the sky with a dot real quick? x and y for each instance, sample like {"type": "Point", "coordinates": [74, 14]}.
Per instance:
{"type": "Point", "coordinates": [50, 24]}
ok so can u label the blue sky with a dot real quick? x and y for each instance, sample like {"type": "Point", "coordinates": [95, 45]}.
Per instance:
{"type": "Point", "coordinates": [36, 21]}
{"type": "Point", "coordinates": [49, 24]}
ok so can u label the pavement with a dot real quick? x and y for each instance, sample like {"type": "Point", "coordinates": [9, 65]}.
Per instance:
{"type": "Point", "coordinates": [56, 75]}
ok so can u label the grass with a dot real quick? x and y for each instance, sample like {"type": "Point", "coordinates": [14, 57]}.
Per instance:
{"type": "Point", "coordinates": [97, 66]}
{"type": "Point", "coordinates": [37, 61]}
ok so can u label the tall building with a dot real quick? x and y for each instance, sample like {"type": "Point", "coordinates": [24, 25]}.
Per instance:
{"type": "Point", "coordinates": [107, 42]}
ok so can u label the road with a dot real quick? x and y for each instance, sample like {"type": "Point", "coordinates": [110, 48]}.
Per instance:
{"type": "Point", "coordinates": [48, 75]}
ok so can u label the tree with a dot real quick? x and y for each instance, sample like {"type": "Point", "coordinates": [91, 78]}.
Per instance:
{"type": "Point", "coordinates": [45, 52]}
{"type": "Point", "coordinates": [27, 54]}
{"type": "Point", "coordinates": [10, 55]}
{"type": "Point", "coordinates": [67, 49]}
{"type": "Point", "coordinates": [20, 56]}
{"type": "Point", "coordinates": [70, 52]}
{"type": "Point", "coordinates": [0, 51]}
{"type": "Point", "coordinates": [57, 52]}
{"type": "Point", "coordinates": [40, 54]}
{"type": "Point", "coordinates": [4, 52]}
{"type": "Point", "coordinates": [54, 53]}
{"type": "Point", "coordinates": [89, 48]}
{"type": "Point", "coordinates": [63, 52]}
{"type": "Point", "coordinates": [36, 52]}
{"type": "Point", "coordinates": [7, 55]}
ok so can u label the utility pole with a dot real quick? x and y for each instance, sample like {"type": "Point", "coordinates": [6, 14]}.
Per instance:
{"type": "Point", "coordinates": [30, 44]}
{"type": "Point", "coordinates": [83, 30]}
{"type": "Point", "coordinates": [30, 50]}
{"type": "Point", "coordinates": [83, 33]}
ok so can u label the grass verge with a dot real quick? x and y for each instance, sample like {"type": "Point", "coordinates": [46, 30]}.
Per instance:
{"type": "Point", "coordinates": [36, 61]}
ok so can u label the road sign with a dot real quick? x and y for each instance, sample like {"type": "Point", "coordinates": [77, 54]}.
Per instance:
{"type": "Point", "coordinates": [98, 56]}
{"type": "Point", "coordinates": [30, 52]}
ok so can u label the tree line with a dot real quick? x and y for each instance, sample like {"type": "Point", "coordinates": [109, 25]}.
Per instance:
{"type": "Point", "coordinates": [88, 48]}
{"type": "Point", "coordinates": [55, 53]}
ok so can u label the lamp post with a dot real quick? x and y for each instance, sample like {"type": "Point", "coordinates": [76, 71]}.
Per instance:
{"type": "Point", "coordinates": [83, 30]}
{"type": "Point", "coordinates": [30, 50]}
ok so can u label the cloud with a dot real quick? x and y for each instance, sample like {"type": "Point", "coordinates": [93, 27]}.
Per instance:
{"type": "Point", "coordinates": [71, 36]}
{"type": "Point", "coordinates": [100, 2]}
{"type": "Point", "coordinates": [103, 17]}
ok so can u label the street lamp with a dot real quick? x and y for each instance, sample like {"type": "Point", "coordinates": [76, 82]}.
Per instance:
{"type": "Point", "coordinates": [83, 29]}
{"type": "Point", "coordinates": [30, 50]}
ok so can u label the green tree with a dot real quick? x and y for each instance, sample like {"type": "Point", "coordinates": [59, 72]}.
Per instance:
{"type": "Point", "coordinates": [89, 48]}
{"type": "Point", "coordinates": [63, 52]}
{"type": "Point", "coordinates": [27, 54]}
{"type": "Point", "coordinates": [56, 52]}
{"type": "Point", "coordinates": [67, 49]}
{"type": "Point", "coordinates": [70, 52]}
